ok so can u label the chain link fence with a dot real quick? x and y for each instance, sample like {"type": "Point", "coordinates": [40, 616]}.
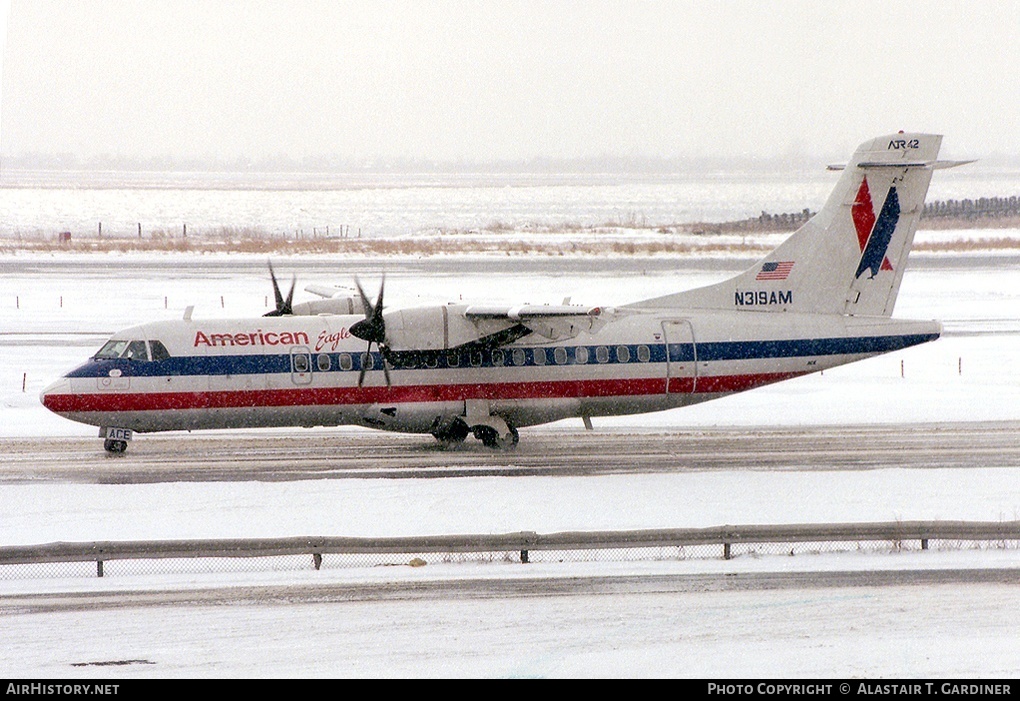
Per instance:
{"type": "Point", "coordinates": [143, 558]}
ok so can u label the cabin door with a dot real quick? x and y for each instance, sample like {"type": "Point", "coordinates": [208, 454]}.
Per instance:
{"type": "Point", "coordinates": [681, 357]}
{"type": "Point", "coordinates": [300, 365]}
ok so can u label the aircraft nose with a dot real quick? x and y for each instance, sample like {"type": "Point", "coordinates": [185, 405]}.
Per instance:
{"type": "Point", "coordinates": [49, 394]}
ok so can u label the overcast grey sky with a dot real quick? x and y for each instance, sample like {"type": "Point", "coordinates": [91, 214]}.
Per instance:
{"type": "Point", "coordinates": [490, 80]}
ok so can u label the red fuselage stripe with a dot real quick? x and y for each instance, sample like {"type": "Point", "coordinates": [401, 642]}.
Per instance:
{"type": "Point", "coordinates": [333, 396]}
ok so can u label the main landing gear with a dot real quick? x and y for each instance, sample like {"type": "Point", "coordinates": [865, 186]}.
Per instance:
{"type": "Point", "coordinates": [451, 433]}
{"type": "Point", "coordinates": [456, 431]}
{"type": "Point", "coordinates": [490, 438]}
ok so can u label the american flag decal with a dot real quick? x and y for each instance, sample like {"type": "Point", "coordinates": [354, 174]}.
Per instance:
{"type": "Point", "coordinates": [775, 271]}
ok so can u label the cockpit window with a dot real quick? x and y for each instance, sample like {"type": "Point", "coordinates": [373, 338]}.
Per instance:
{"type": "Point", "coordinates": [112, 349]}
{"type": "Point", "coordinates": [136, 350]}
{"type": "Point", "coordinates": [159, 351]}
{"type": "Point", "coordinates": [132, 350]}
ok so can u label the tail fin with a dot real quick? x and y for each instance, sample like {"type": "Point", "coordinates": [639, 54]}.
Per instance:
{"type": "Point", "coordinates": [849, 258]}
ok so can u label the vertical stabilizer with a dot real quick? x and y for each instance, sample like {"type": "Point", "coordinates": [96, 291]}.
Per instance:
{"type": "Point", "coordinates": [850, 257]}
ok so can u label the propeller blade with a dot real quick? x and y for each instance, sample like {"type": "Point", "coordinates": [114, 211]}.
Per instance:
{"type": "Point", "coordinates": [276, 286]}
{"type": "Point", "coordinates": [367, 306]}
{"type": "Point", "coordinates": [287, 308]}
{"type": "Point", "coordinates": [377, 310]}
{"type": "Point", "coordinates": [372, 329]}
{"type": "Point", "coordinates": [364, 364]}
{"type": "Point", "coordinates": [283, 306]}
{"type": "Point", "coordinates": [384, 351]}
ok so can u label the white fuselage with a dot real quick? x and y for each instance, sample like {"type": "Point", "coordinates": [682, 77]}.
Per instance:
{"type": "Point", "coordinates": [305, 370]}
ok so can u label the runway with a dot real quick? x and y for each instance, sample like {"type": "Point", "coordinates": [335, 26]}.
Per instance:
{"type": "Point", "coordinates": [350, 454]}
{"type": "Point", "coordinates": [498, 589]}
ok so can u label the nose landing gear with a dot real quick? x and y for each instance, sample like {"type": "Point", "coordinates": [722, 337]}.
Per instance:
{"type": "Point", "coordinates": [114, 447]}
{"type": "Point", "coordinates": [116, 439]}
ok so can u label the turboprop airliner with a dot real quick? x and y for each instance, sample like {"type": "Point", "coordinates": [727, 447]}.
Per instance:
{"type": "Point", "coordinates": [823, 298]}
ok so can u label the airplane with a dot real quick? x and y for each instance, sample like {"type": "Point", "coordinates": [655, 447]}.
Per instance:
{"type": "Point", "coordinates": [822, 298]}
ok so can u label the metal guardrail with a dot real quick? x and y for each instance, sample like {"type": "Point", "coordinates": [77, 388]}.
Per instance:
{"type": "Point", "coordinates": [521, 542]}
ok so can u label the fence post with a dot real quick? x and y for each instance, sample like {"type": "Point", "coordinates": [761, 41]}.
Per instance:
{"type": "Point", "coordinates": [524, 557]}
{"type": "Point", "coordinates": [726, 551]}
{"type": "Point", "coordinates": [99, 568]}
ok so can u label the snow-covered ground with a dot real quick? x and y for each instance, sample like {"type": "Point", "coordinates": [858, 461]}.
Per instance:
{"type": "Point", "coordinates": [55, 311]}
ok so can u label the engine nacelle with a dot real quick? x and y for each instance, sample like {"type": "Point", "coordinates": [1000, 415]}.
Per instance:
{"type": "Point", "coordinates": [436, 328]}
{"type": "Point", "coordinates": [332, 305]}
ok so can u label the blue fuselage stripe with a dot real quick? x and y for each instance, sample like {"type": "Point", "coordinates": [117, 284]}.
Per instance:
{"type": "Point", "coordinates": [712, 351]}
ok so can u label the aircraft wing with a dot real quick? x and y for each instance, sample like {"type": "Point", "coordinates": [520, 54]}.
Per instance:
{"type": "Point", "coordinates": [525, 312]}
{"type": "Point", "coordinates": [551, 321]}
{"type": "Point", "coordinates": [328, 291]}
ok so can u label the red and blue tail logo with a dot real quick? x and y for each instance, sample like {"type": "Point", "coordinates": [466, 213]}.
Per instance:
{"type": "Point", "coordinates": [874, 234]}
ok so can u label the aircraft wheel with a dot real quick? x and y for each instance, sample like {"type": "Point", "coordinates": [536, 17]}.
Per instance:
{"type": "Point", "coordinates": [456, 432]}
{"type": "Point", "coordinates": [115, 447]}
{"type": "Point", "coordinates": [511, 441]}
{"type": "Point", "coordinates": [490, 438]}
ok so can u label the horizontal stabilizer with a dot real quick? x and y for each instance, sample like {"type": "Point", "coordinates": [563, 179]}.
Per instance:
{"type": "Point", "coordinates": [934, 165]}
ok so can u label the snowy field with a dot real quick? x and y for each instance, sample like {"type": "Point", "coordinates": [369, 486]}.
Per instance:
{"type": "Point", "coordinates": [55, 311]}
{"type": "Point", "coordinates": [390, 204]}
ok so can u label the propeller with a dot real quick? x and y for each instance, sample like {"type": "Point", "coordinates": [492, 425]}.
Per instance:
{"type": "Point", "coordinates": [283, 306]}
{"type": "Point", "coordinates": [372, 329]}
